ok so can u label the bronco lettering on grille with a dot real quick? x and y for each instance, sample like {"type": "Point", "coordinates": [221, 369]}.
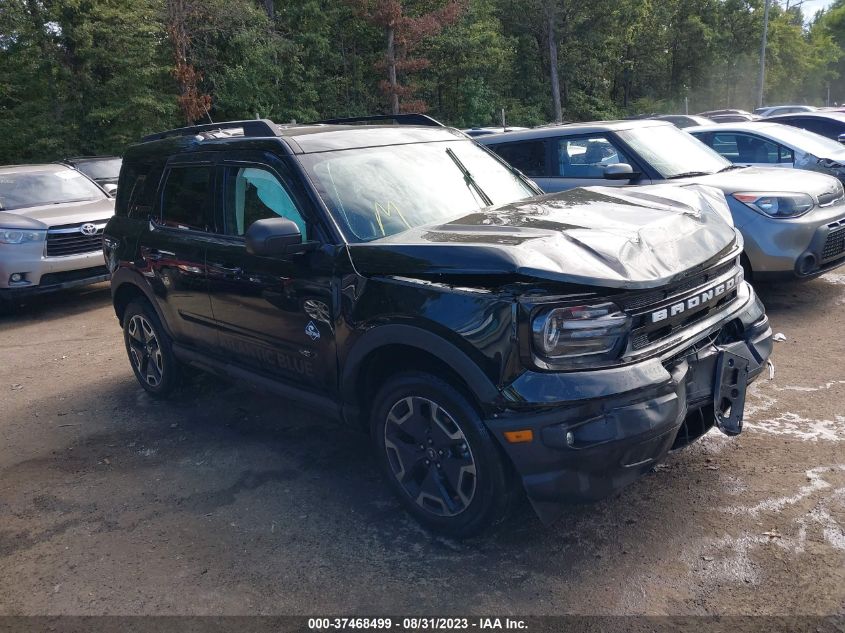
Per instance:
{"type": "Point", "coordinates": [700, 299]}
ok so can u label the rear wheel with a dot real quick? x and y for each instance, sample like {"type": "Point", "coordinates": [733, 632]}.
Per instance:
{"type": "Point", "coordinates": [438, 456]}
{"type": "Point", "coordinates": [149, 349]}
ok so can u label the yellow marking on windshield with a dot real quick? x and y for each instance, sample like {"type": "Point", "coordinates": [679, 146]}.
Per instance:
{"type": "Point", "coordinates": [380, 210]}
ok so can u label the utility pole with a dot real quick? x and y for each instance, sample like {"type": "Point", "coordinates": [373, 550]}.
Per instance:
{"type": "Point", "coordinates": [762, 79]}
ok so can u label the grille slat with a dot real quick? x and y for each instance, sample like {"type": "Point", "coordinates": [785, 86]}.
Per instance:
{"type": "Point", "coordinates": [62, 244]}
{"type": "Point", "coordinates": [834, 244]}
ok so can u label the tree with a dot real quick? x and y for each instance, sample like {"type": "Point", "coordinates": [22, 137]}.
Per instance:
{"type": "Point", "coordinates": [403, 32]}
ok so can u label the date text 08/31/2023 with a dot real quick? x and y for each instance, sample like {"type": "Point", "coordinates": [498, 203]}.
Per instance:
{"type": "Point", "coordinates": [416, 623]}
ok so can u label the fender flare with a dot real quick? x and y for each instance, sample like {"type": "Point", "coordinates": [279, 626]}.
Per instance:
{"type": "Point", "coordinates": [484, 390]}
{"type": "Point", "coordinates": [123, 276]}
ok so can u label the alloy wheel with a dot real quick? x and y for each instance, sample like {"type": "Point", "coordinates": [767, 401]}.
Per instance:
{"type": "Point", "coordinates": [145, 351]}
{"type": "Point", "coordinates": [430, 456]}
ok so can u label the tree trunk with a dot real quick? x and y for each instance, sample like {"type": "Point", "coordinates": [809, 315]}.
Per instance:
{"type": "Point", "coordinates": [553, 74]}
{"type": "Point", "coordinates": [391, 71]}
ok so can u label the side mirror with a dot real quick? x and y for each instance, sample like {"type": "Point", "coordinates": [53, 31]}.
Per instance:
{"type": "Point", "coordinates": [841, 138]}
{"type": "Point", "coordinates": [275, 237]}
{"type": "Point", "coordinates": [110, 188]}
{"type": "Point", "coordinates": [620, 171]}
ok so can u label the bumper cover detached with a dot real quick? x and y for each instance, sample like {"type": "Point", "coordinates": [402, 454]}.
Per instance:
{"type": "Point", "coordinates": [590, 447]}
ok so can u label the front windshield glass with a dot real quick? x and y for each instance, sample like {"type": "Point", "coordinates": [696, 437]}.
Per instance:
{"type": "Point", "coordinates": [34, 188]}
{"type": "Point", "coordinates": [106, 168]}
{"type": "Point", "coordinates": [806, 141]}
{"type": "Point", "coordinates": [673, 152]}
{"type": "Point", "coordinates": [380, 191]}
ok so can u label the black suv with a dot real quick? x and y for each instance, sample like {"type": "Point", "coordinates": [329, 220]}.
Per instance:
{"type": "Point", "coordinates": [404, 279]}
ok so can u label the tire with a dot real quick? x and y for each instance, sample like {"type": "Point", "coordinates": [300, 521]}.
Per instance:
{"type": "Point", "coordinates": [149, 349]}
{"type": "Point", "coordinates": [458, 483]}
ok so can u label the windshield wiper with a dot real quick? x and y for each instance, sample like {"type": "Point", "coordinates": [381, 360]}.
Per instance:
{"type": "Point", "coordinates": [468, 179]}
{"type": "Point", "coordinates": [690, 174]}
{"type": "Point", "coordinates": [729, 167]}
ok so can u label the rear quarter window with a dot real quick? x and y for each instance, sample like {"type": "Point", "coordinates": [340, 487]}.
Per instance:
{"type": "Point", "coordinates": [137, 189]}
{"type": "Point", "coordinates": [529, 157]}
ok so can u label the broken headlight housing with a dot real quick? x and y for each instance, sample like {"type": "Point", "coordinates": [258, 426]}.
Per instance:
{"type": "Point", "coordinates": [777, 205]}
{"type": "Point", "coordinates": [579, 335]}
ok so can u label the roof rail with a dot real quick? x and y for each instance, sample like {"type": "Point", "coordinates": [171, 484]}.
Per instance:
{"type": "Point", "coordinates": [397, 119]}
{"type": "Point", "coordinates": [251, 127]}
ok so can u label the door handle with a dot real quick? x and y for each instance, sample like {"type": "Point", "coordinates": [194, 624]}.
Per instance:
{"type": "Point", "coordinates": [155, 254]}
{"type": "Point", "coordinates": [228, 270]}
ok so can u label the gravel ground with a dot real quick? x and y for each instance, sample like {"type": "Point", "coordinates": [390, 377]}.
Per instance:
{"type": "Point", "coordinates": [222, 501]}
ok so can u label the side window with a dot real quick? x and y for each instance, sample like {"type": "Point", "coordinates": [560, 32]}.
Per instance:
{"type": "Point", "coordinates": [186, 199]}
{"type": "Point", "coordinates": [745, 148]}
{"type": "Point", "coordinates": [785, 155]}
{"type": "Point", "coordinates": [528, 157]}
{"type": "Point", "coordinates": [254, 193]}
{"type": "Point", "coordinates": [587, 157]}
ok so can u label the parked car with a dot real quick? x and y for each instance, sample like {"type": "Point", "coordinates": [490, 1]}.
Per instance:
{"type": "Point", "coordinates": [104, 170]}
{"type": "Point", "coordinates": [406, 280]}
{"type": "Point", "coordinates": [683, 120]}
{"type": "Point", "coordinates": [783, 109]}
{"type": "Point", "coordinates": [729, 115]}
{"type": "Point", "coordinates": [51, 230]}
{"type": "Point", "coordinates": [764, 144]}
{"type": "Point", "coordinates": [483, 131]}
{"type": "Point", "coordinates": [793, 222]}
{"type": "Point", "coordinates": [826, 123]}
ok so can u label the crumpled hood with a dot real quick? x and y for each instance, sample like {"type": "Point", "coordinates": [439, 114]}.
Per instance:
{"type": "Point", "coordinates": [770, 179]}
{"type": "Point", "coordinates": [638, 237]}
{"type": "Point", "coordinates": [48, 215]}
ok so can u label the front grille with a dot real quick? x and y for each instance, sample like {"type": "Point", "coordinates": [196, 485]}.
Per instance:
{"type": "Point", "coordinates": [656, 296]}
{"type": "Point", "coordinates": [692, 294]}
{"type": "Point", "coordinates": [69, 240]}
{"type": "Point", "coordinates": [834, 245]}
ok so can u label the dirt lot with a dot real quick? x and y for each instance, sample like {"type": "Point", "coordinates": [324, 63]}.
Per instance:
{"type": "Point", "coordinates": [227, 502]}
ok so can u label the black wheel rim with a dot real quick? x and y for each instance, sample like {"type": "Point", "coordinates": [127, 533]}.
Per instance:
{"type": "Point", "coordinates": [144, 350]}
{"type": "Point", "coordinates": [430, 456]}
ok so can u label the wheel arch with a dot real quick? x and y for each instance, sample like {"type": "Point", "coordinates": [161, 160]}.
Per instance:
{"type": "Point", "coordinates": [389, 349]}
{"type": "Point", "coordinates": [128, 285]}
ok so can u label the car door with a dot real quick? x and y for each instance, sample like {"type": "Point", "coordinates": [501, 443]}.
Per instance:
{"type": "Point", "coordinates": [275, 316]}
{"type": "Point", "coordinates": [173, 248]}
{"type": "Point", "coordinates": [580, 161]}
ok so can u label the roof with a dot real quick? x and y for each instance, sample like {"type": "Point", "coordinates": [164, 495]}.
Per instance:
{"type": "Point", "coordinates": [88, 159]}
{"type": "Point", "coordinates": [571, 129]}
{"type": "Point", "coordinates": [736, 126]}
{"type": "Point", "coordinates": [295, 139]}
{"type": "Point", "coordinates": [45, 167]}
{"type": "Point", "coordinates": [817, 114]}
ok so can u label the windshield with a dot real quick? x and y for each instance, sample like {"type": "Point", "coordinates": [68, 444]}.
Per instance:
{"type": "Point", "coordinates": [34, 188]}
{"type": "Point", "coordinates": [381, 191]}
{"type": "Point", "coordinates": [806, 141]}
{"type": "Point", "coordinates": [672, 152]}
{"type": "Point", "coordinates": [106, 168]}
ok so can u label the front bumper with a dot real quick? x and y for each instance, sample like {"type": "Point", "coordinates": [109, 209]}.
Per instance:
{"type": "Point", "coordinates": [796, 248]}
{"type": "Point", "coordinates": [46, 274]}
{"type": "Point", "coordinates": [624, 420]}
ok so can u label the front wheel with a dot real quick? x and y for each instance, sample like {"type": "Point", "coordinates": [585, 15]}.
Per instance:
{"type": "Point", "coordinates": [438, 456]}
{"type": "Point", "coordinates": [149, 348]}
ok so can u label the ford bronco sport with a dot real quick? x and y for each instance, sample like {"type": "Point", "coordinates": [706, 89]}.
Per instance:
{"type": "Point", "coordinates": [404, 279]}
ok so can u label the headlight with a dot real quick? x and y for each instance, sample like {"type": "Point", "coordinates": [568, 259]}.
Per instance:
{"type": "Point", "coordinates": [777, 205]}
{"type": "Point", "coordinates": [580, 333]}
{"type": "Point", "coordinates": [16, 236]}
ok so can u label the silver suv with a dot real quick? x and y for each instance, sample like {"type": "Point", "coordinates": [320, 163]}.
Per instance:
{"type": "Point", "coordinates": [51, 230]}
{"type": "Point", "coordinates": [793, 221]}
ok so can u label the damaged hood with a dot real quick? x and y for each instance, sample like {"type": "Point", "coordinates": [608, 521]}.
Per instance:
{"type": "Point", "coordinates": [630, 238]}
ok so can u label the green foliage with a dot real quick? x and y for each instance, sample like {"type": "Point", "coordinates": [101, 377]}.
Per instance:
{"type": "Point", "coordinates": [91, 76]}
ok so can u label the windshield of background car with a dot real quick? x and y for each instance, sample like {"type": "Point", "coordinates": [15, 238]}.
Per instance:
{"type": "Point", "coordinates": [380, 191]}
{"type": "Point", "coordinates": [109, 168]}
{"type": "Point", "coordinates": [33, 188]}
{"type": "Point", "coordinates": [673, 152]}
{"type": "Point", "coordinates": [806, 141]}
